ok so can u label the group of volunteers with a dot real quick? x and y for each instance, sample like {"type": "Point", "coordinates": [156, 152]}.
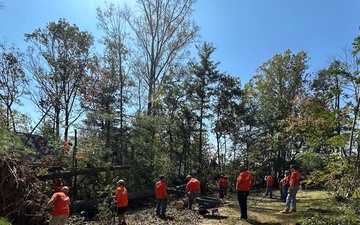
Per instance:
{"type": "Point", "coordinates": [60, 202]}
{"type": "Point", "coordinates": [289, 186]}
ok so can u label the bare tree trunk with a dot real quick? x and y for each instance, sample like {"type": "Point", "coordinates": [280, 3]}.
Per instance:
{"type": "Point", "coordinates": [356, 111]}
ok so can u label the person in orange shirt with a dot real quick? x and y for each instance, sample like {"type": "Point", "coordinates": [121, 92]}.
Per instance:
{"type": "Point", "coordinates": [161, 196]}
{"type": "Point", "coordinates": [121, 201]}
{"type": "Point", "coordinates": [285, 183]}
{"type": "Point", "coordinates": [223, 183]}
{"type": "Point", "coordinates": [269, 183]}
{"type": "Point", "coordinates": [193, 189]}
{"type": "Point", "coordinates": [293, 189]}
{"type": "Point", "coordinates": [60, 201]}
{"type": "Point", "coordinates": [244, 183]}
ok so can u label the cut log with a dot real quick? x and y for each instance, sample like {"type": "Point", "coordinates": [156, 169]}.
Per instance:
{"type": "Point", "coordinates": [181, 204]}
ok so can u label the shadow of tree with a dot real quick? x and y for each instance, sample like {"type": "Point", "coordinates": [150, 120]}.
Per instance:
{"type": "Point", "coordinates": [254, 222]}
{"type": "Point", "coordinates": [215, 217]}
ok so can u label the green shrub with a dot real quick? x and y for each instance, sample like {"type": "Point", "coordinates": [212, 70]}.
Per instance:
{"type": "Point", "coordinates": [3, 221]}
{"type": "Point", "coordinates": [319, 219]}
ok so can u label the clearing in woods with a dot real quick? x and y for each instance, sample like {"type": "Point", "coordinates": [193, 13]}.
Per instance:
{"type": "Point", "coordinates": [266, 211]}
{"type": "Point", "coordinates": [261, 211]}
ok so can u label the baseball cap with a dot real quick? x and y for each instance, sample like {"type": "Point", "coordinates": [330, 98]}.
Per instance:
{"type": "Point", "coordinates": [121, 181]}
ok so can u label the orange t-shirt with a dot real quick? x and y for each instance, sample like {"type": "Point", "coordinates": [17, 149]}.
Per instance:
{"type": "Point", "coordinates": [160, 188]}
{"type": "Point", "coordinates": [223, 182]}
{"type": "Point", "coordinates": [269, 180]}
{"type": "Point", "coordinates": [61, 204]}
{"type": "Point", "coordinates": [246, 179]}
{"type": "Point", "coordinates": [295, 178]}
{"type": "Point", "coordinates": [193, 185]}
{"type": "Point", "coordinates": [122, 196]}
{"type": "Point", "coordinates": [286, 180]}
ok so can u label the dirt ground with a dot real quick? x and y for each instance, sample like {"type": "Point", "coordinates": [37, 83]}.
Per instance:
{"type": "Point", "coordinates": [146, 216]}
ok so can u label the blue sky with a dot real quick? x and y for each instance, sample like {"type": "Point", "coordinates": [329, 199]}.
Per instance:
{"type": "Point", "coordinates": [246, 33]}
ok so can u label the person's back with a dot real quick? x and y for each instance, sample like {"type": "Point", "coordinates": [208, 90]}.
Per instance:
{"type": "Point", "coordinates": [193, 189]}
{"type": "Point", "coordinates": [193, 185]}
{"type": "Point", "coordinates": [269, 180]}
{"type": "Point", "coordinates": [244, 183]}
{"type": "Point", "coordinates": [60, 201]}
{"type": "Point", "coordinates": [121, 201]}
{"type": "Point", "coordinates": [122, 196]}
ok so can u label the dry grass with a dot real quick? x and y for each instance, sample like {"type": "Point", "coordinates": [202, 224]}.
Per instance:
{"type": "Point", "coordinates": [261, 211]}
{"type": "Point", "coordinates": [266, 211]}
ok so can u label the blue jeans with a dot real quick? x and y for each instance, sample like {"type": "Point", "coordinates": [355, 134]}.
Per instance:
{"type": "Point", "coordinates": [163, 204]}
{"type": "Point", "coordinates": [268, 191]}
{"type": "Point", "coordinates": [242, 198]}
{"type": "Point", "coordinates": [285, 192]}
{"type": "Point", "coordinates": [291, 198]}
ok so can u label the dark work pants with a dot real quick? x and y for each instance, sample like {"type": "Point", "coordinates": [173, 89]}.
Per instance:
{"type": "Point", "coordinates": [222, 192]}
{"type": "Point", "coordinates": [242, 198]}
{"type": "Point", "coordinates": [161, 203]}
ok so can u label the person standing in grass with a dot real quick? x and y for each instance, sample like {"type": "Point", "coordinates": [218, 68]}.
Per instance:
{"type": "Point", "coordinates": [121, 201]}
{"type": "Point", "coordinates": [161, 196]}
{"type": "Point", "coordinates": [223, 183]}
{"type": "Point", "coordinates": [269, 183]}
{"type": "Point", "coordinates": [244, 183]}
{"type": "Point", "coordinates": [285, 184]}
{"type": "Point", "coordinates": [293, 189]}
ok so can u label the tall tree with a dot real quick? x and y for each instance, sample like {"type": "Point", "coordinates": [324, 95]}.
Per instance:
{"type": "Point", "coordinates": [181, 120]}
{"type": "Point", "coordinates": [228, 107]}
{"type": "Point", "coordinates": [201, 88]}
{"type": "Point", "coordinates": [58, 60]}
{"type": "Point", "coordinates": [12, 81]}
{"type": "Point", "coordinates": [164, 30]}
{"type": "Point", "coordinates": [114, 61]}
{"type": "Point", "coordinates": [331, 86]}
{"type": "Point", "coordinates": [356, 51]}
{"type": "Point", "coordinates": [277, 83]}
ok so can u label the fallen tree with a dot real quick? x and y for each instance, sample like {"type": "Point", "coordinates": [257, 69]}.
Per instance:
{"type": "Point", "coordinates": [80, 171]}
{"type": "Point", "coordinates": [21, 197]}
{"type": "Point", "coordinates": [90, 204]}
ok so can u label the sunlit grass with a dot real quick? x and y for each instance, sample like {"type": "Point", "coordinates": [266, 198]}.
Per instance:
{"type": "Point", "coordinates": [266, 211]}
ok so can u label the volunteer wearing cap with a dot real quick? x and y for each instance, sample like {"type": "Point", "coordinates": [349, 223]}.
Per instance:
{"type": "Point", "coordinates": [60, 201]}
{"type": "Point", "coordinates": [121, 201]}
{"type": "Point", "coordinates": [193, 189]}
{"type": "Point", "coordinates": [244, 183]}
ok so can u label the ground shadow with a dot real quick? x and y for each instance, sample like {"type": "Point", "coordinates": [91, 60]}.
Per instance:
{"type": "Point", "coordinates": [215, 217]}
{"type": "Point", "coordinates": [168, 218]}
{"type": "Point", "coordinates": [254, 222]}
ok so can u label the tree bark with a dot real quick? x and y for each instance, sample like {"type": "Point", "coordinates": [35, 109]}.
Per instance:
{"type": "Point", "coordinates": [81, 171]}
{"type": "Point", "coordinates": [90, 204]}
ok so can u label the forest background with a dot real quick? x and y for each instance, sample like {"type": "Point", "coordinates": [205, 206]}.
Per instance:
{"type": "Point", "coordinates": [144, 102]}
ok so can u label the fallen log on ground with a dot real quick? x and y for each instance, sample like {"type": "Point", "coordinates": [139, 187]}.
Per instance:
{"type": "Point", "coordinates": [81, 171]}
{"type": "Point", "coordinates": [90, 204]}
